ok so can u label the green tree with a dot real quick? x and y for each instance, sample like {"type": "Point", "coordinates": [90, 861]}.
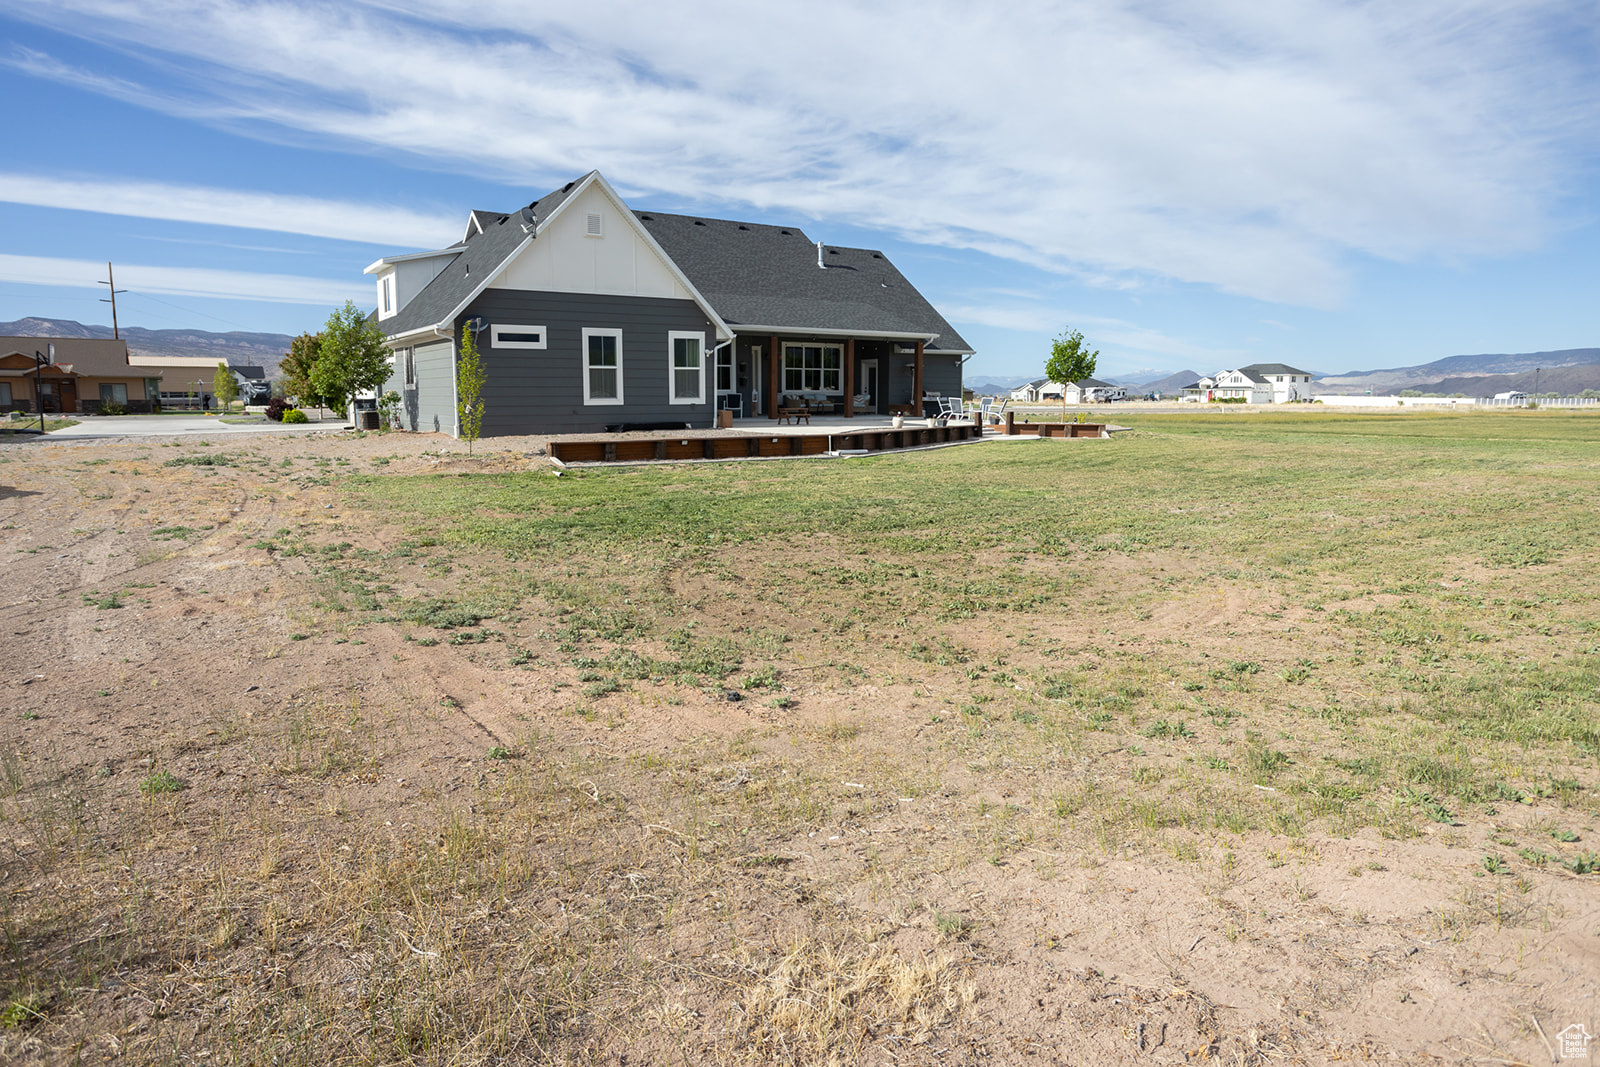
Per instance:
{"type": "Point", "coordinates": [352, 358]}
{"type": "Point", "coordinates": [1070, 361]}
{"type": "Point", "coordinates": [470, 379]}
{"type": "Point", "coordinates": [224, 387]}
{"type": "Point", "coordinates": [295, 369]}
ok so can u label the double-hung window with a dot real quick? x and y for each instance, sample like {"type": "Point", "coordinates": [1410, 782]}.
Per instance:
{"type": "Point", "coordinates": [813, 368]}
{"type": "Point", "coordinates": [725, 370]}
{"type": "Point", "coordinates": [687, 375]}
{"type": "Point", "coordinates": [602, 366]}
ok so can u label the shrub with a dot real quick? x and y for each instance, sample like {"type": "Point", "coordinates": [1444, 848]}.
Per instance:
{"type": "Point", "coordinates": [276, 407]}
{"type": "Point", "coordinates": [295, 415]}
{"type": "Point", "coordinates": [110, 408]}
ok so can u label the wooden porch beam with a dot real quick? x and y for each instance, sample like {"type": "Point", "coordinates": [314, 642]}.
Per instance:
{"type": "Point", "coordinates": [850, 378]}
{"type": "Point", "coordinates": [916, 382]}
{"type": "Point", "coordinates": [774, 365]}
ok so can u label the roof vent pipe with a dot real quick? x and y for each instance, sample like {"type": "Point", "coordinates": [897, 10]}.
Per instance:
{"type": "Point", "coordinates": [821, 264]}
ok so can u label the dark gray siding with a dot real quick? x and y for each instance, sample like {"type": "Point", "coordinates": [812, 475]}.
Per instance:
{"type": "Point", "coordinates": [541, 390]}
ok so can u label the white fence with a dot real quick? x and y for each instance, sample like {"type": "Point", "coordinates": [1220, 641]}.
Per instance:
{"type": "Point", "coordinates": [1338, 400]}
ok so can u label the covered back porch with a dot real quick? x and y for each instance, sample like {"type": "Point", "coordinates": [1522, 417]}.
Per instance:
{"type": "Point", "coordinates": [763, 374]}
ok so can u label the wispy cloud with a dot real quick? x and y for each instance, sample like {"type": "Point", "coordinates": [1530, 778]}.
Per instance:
{"type": "Point", "coordinates": [369, 223]}
{"type": "Point", "coordinates": [184, 281]}
{"type": "Point", "coordinates": [1128, 339]}
{"type": "Point", "coordinates": [1238, 145]}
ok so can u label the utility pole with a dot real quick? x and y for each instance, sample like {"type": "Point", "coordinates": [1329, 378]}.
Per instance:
{"type": "Point", "coordinates": [115, 334]}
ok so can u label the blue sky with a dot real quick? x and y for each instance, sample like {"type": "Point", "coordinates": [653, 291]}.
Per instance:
{"type": "Point", "coordinates": [1193, 185]}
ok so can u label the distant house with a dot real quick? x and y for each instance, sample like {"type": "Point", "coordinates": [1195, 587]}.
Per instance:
{"type": "Point", "coordinates": [1259, 383]}
{"type": "Point", "coordinates": [84, 374]}
{"type": "Point", "coordinates": [1093, 391]}
{"type": "Point", "coordinates": [1087, 391]}
{"type": "Point", "coordinates": [189, 381]}
{"type": "Point", "coordinates": [589, 315]}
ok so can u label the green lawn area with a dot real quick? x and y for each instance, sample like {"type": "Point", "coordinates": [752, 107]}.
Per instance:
{"type": "Point", "coordinates": [1415, 594]}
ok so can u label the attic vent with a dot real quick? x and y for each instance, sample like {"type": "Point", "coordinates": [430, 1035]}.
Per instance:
{"type": "Point", "coordinates": [833, 251]}
{"type": "Point", "coordinates": [647, 218]}
{"type": "Point", "coordinates": [743, 227]}
{"type": "Point", "coordinates": [786, 233]}
{"type": "Point", "coordinates": [876, 256]}
{"type": "Point", "coordinates": [567, 188]}
{"type": "Point", "coordinates": [592, 225]}
{"type": "Point", "coordinates": [697, 222]}
{"type": "Point", "coordinates": [502, 221]}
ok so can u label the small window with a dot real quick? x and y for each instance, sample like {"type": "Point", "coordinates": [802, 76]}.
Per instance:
{"type": "Point", "coordinates": [114, 393]}
{"type": "Point", "coordinates": [688, 378]}
{"type": "Point", "coordinates": [602, 366]}
{"type": "Point", "coordinates": [592, 225]}
{"type": "Point", "coordinates": [5, 394]}
{"type": "Point", "coordinates": [517, 336]}
{"type": "Point", "coordinates": [408, 358]}
{"type": "Point", "coordinates": [388, 295]}
{"type": "Point", "coordinates": [725, 370]}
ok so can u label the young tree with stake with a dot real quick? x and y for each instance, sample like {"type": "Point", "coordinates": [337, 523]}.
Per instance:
{"type": "Point", "coordinates": [470, 379]}
{"type": "Point", "coordinates": [1070, 361]}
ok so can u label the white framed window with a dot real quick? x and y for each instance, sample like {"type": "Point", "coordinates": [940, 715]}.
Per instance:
{"type": "Point", "coordinates": [602, 366]}
{"type": "Point", "coordinates": [725, 370]}
{"type": "Point", "coordinates": [813, 368]}
{"type": "Point", "coordinates": [408, 359]}
{"type": "Point", "coordinates": [504, 336]}
{"type": "Point", "coordinates": [686, 367]}
{"type": "Point", "coordinates": [594, 225]}
{"type": "Point", "coordinates": [386, 296]}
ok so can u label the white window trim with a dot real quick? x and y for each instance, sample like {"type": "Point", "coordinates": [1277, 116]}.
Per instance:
{"type": "Point", "coordinates": [673, 337]}
{"type": "Point", "coordinates": [497, 329]}
{"type": "Point", "coordinates": [388, 296]}
{"type": "Point", "coordinates": [583, 357]}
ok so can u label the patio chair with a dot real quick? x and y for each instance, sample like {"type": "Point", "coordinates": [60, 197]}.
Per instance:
{"type": "Point", "coordinates": [994, 408]}
{"type": "Point", "coordinates": [950, 408]}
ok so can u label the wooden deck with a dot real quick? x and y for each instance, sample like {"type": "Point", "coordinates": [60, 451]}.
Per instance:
{"type": "Point", "coordinates": [690, 445]}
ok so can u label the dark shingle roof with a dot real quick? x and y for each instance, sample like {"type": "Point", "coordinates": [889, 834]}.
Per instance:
{"type": "Point", "coordinates": [759, 275]}
{"type": "Point", "coordinates": [750, 273]}
{"type": "Point", "coordinates": [482, 254]}
{"type": "Point", "coordinates": [1272, 368]}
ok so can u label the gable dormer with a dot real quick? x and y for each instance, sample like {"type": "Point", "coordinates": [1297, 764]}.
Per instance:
{"type": "Point", "coordinates": [401, 278]}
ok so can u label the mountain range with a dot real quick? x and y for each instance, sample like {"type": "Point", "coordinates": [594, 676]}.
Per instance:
{"type": "Point", "coordinates": [238, 349]}
{"type": "Point", "coordinates": [1567, 371]}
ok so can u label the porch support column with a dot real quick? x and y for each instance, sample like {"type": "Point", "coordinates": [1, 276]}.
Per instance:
{"type": "Point", "coordinates": [916, 383]}
{"type": "Point", "coordinates": [773, 370]}
{"type": "Point", "coordinates": [850, 378]}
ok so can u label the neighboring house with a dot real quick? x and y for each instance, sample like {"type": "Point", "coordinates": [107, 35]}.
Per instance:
{"type": "Point", "coordinates": [590, 315]}
{"type": "Point", "coordinates": [1092, 391]}
{"type": "Point", "coordinates": [1259, 383]}
{"type": "Point", "coordinates": [83, 374]}
{"type": "Point", "coordinates": [1088, 391]}
{"type": "Point", "coordinates": [190, 381]}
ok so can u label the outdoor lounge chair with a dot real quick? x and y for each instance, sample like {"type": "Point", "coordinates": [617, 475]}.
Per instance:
{"type": "Point", "coordinates": [993, 408]}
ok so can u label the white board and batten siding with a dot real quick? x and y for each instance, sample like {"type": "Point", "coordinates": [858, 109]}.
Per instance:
{"type": "Point", "coordinates": [568, 257]}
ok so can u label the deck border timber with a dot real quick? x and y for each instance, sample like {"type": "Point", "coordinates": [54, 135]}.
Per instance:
{"type": "Point", "coordinates": [694, 446]}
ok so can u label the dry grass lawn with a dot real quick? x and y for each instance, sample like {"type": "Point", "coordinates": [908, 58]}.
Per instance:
{"type": "Point", "coordinates": [1238, 738]}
